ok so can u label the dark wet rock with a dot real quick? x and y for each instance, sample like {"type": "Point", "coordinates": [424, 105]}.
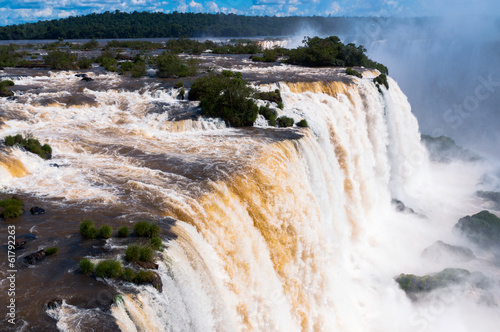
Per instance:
{"type": "Point", "coordinates": [87, 79]}
{"type": "Point", "coordinates": [401, 207]}
{"type": "Point", "coordinates": [144, 277]}
{"type": "Point", "coordinates": [156, 282]}
{"type": "Point", "coordinates": [6, 93]}
{"type": "Point", "coordinates": [492, 197]}
{"type": "Point", "coordinates": [54, 303]}
{"type": "Point", "coordinates": [54, 165]}
{"type": "Point", "coordinates": [22, 241]}
{"type": "Point", "coordinates": [147, 265]}
{"type": "Point", "coordinates": [482, 228]}
{"type": "Point", "coordinates": [413, 285]}
{"type": "Point", "coordinates": [35, 257]}
{"type": "Point", "coordinates": [81, 75]}
{"type": "Point", "coordinates": [444, 252]}
{"type": "Point", "coordinates": [444, 149]}
{"type": "Point", "coordinates": [35, 210]}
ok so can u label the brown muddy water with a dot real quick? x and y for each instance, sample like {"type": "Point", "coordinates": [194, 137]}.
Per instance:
{"type": "Point", "coordinates": [115, 152]}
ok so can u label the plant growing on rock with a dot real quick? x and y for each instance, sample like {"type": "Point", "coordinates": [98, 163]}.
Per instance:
{"type": "Point", "coordinates": [123, 231]}
{"type": "Point", "coordinates": [352, 72]}
{"type": "Point", "coordinates": [146, 229]}
{"type": "Point", "coordinates": [269, 114]}
{"type": "Point", "coordinates": [381, 80]}
{"type": "Point", "coordinates": [30, 144]}
{"type": "Point", "coordinates": [11, 208]}
{"type": "Point", "coordinates": [51, 251]}
{"type": "Point", "coordinates": [87, 229]}
{"type": "Point", "coordinates": [3, 88]}
{"type": "Point", "coordinates": [109, 269]}
{"type": "Point", "coordinates": [227, 96]}
{"type": "Point", "coordinates": [86, 266]}
{"type": "Point", "coordinates": [132, 253]}
{"type": "Point", "coordinates": [146, 254]}
{"type": "Point", "coordinates": [284, 121]}
{"type": "Point", "coordinates": [302, 123]}
{"type": "Point", "coordinates": [155, 242]}
{"type": "Point", "coordinates": [105, 232]}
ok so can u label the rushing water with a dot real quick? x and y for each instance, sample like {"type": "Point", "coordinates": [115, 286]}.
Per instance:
{"type": "Point", "coordinates": [273, 229]}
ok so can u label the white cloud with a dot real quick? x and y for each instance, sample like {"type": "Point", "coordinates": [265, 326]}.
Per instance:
{"type": "Point", "coordinates": [334, 9]}
{"type": "Point", "coordinates": [212, 7]}
{"type": "Point", "coordinates": [195, 6]}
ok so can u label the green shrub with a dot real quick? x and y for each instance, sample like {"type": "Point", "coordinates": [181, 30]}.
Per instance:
{"type": "Point", "coordinates": [12, 208]}
{"type": "Point", "coordinates": [108, 61]}
{"type": "Point", "coordinates": [86, 266]}
{"type": "Point", "coordinates": [280, 105]}
{"type": "Point", "coordinates": [30, 144]}
{"type": "Point", "coordinates": [85, 63]}
{"type": "Point", "coordinates": [105, 232]}
{"type": "Point", "coordinates": [132, 253]}
{"type": "Point", "coordinates": [123, 231]}
{"type": "Point", "coordinates": [179, 85]}
{"type": "Point", "coordinates": [170, 65]}
{"type": "Point", "coordinates": [87, 229]}
{"type": "Point", "coordinates": [137, 68]}
{"type": "Point", "coordinates": [143, 277]}
{"type": "Point", "coordinates": [146, 254]}
{"type": "Point", "coordinates": [227, 96]}
{"type": "Point", "coordinates": [381, 80]}
{"type": "Point", "coordinates": [146, 229]}
{"type": "Point", "coordinates": [61, 60]}
{"type": "Point", "coordinates": [128, 274]}
{"type": "Point", "coordinates": [51, 251]}
{"type": "Point", "coordinates": [108, 269]}
{"type": "Point", "coordinates": [9, 140]}
{"type": "Point", "coordinates": [154, 230]}
{"type": "Point", "coordinates": [267, 56]}
{"type": "Point", "coordinates": [273, 96]}
{"type": "Point", "coordinates": [352, 72]}
{"type": "Point", "coordinates": [302, 123]}
{"type": "Point", "coordinates": [269, 114]}
{"type": "Point", "coordinates": [141, 228]}
{"type": "Point", "coordinates": [155, 242]}
{"type": "Point", "coordinates": [284, 121]}
{"type": "Point", "coordinates": [330, 51]}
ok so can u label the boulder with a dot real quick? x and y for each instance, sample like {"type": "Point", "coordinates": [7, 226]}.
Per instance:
{"type": "Point", "coordinates": [87, 79]}
{"type": "Point", "coordinates": [22, 240]}
{"type": "Point", "coordinates": [414, 285]}
{"type": "Point", "coordinates": [443, 252]}
{"type": "Point", "coordinates": [54, 303]}
{"type": "Point", "coordinates": [147, 265]}
{"type": "Point", "coordinates": [491, 197]}
{"type": "Point", "coordinates": [156, 282]}
{"type": "Point", "coordinates": [35, 257]}
{"type": "Point", "coordinates": [81, 75]}
{"type": "Point", "coordinates": [35, 210]}
{"type": "Point", "coordinates": [400, 206]}
{"type": "Point", "coordinates": [482, 228]}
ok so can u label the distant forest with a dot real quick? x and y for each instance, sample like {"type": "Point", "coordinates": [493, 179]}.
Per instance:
{"type": "Point", "coordinates": [113, 25]}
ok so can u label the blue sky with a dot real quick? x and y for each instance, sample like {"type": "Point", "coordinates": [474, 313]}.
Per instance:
{"type": "Point", "coordinates": [20, 11]}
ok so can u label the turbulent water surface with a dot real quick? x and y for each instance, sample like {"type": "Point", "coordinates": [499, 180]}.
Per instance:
{"type": "Point", "coordinates": [269, 229]}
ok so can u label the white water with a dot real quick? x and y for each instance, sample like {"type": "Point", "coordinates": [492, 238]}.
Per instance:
{"type": "Point", "coordinates": [301, 237]}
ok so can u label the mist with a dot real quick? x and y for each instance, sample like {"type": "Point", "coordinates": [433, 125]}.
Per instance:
{"type": "Point", "coordinates": [447, 63]}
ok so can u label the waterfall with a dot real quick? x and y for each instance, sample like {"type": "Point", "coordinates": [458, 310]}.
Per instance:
{"type": "Point", "coordinates": [278, 245]}
{"type": "Point", "coordinates": [277, 229]}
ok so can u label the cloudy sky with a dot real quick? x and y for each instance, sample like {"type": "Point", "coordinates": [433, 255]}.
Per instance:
{"type": "Point", "coordinates": [20, 11]}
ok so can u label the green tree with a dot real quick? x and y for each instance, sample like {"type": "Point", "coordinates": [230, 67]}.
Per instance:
{"type": "Point", "coordinates": [170, 65]}
{"type": "Point", "coordinates": [227, 96]}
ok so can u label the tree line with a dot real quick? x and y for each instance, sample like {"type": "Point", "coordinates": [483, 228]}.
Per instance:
{"type": "Point", "coordinates": [118, 24]}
